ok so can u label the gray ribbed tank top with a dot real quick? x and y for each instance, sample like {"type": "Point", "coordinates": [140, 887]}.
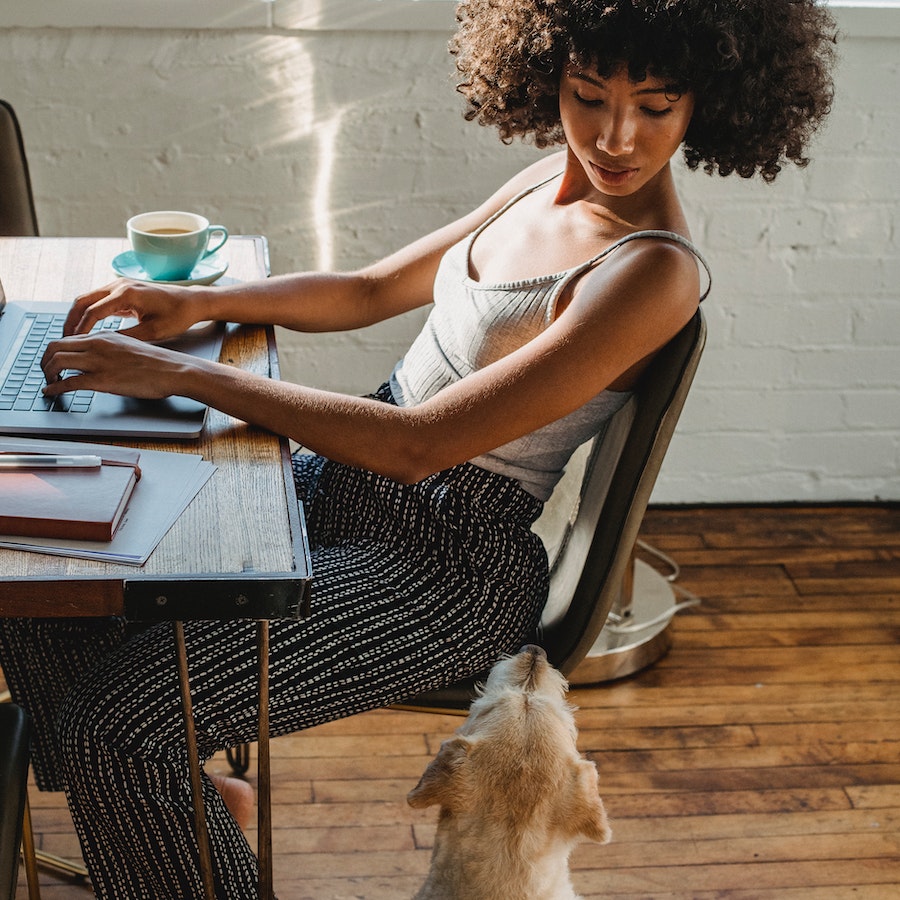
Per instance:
{"type": "Point", "coordinates": [473, 324]}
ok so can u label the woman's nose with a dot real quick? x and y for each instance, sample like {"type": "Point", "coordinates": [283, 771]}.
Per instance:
{"type": "Point", "coordinates": [617, 136]}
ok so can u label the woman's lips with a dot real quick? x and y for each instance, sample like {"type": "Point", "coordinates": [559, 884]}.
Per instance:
{"type": "Point", "coordinates": [614, 177]}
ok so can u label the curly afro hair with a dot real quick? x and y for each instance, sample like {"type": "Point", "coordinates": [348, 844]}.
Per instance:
{"type": "Point", "coordinates": [760, 70]}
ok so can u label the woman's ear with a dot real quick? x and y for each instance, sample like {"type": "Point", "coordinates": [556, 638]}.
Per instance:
{"type": "Point", "coordinates": [441, 781]}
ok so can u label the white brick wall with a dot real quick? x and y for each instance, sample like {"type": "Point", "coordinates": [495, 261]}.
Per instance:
{"type": "Point", "coordinates": [342, 146]}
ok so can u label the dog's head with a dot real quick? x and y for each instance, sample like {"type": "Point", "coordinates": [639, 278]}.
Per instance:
{"type": "Point", "coordinates": [514, 761]}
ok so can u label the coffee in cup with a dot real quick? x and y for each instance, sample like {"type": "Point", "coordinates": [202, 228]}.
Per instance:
{"type": "Point", "coordinates": [168, 244]}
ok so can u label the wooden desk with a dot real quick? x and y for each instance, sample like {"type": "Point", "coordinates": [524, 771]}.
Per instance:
{"type": "Point", "coordinates": [238, 551]}
{"type": "Point", "coordinates": [243, 535]}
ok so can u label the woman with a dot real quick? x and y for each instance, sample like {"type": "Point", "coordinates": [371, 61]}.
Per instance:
{"type": "Point", "coordinates": [420, 498]}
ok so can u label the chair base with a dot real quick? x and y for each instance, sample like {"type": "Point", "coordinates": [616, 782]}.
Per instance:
{"type": "Point", "coordinates": [617, 652]}
{"type": "Point", "coordinates": [65, 867]}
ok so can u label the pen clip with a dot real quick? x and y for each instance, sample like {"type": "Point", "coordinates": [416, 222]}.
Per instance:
{"type": "Point", "coordinates": [122, 462]}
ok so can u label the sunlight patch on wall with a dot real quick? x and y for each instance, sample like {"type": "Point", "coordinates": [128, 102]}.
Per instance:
{"type": "Point", "coordinates": [300, 124]}
{"type": "Point", "coordinates": [328, 132]}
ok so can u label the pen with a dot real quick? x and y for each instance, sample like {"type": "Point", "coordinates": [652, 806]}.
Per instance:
{"type": "Point", "coordinates": [17, 461]}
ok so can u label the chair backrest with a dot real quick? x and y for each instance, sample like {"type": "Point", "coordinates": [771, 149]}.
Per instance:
{"type": "Point", "coordinates": [619, 473]}
{"type": "Point", "coordinates": [17, 213]}
{"type": "Point", "coordinates": [15, 735]}
{"type": "Point", "coordinates": [590, 531]}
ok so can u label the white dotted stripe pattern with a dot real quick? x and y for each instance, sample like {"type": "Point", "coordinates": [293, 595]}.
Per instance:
{"type": "Point", "coordinates": [415, 586]}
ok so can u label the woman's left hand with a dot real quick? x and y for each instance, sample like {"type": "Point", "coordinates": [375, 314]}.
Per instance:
{"type": "Point", "coordinates": [113, 363]}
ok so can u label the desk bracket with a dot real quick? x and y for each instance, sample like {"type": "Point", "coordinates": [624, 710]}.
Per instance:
{"type": "Point", "coordinates": [260, 596]}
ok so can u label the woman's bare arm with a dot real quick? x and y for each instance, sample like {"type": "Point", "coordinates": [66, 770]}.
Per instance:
{"type": "Point", "coordinates": [307, 301]}
{"type": "Point", "coordinates": [624, 312]}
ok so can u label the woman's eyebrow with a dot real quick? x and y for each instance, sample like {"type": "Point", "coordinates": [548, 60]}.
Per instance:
{"type": "Point", "coordinates": [666, 89]}
{"type": "Point", "coordinates": [583, 76]}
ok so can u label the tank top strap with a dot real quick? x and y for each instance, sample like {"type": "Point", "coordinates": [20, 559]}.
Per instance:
{"type": "Point", "coordinates": [569, 274]}
{"type": "Point", "coordinates": [511, 202]}
{"type": "Point", "coordinates": [647, 233]}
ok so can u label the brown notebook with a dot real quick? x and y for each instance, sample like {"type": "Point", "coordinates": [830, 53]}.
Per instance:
{"type": "Point", "coordinates": [75, 504]}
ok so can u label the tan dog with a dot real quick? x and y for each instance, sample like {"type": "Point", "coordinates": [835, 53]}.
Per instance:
{"type": "Point", "coordinates": [515, 794]}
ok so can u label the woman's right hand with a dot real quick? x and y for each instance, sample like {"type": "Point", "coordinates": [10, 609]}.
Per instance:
{"type": "Point", "coordinates": [162, 311]}
{"type": "Point", "coordinates": [113, 363]}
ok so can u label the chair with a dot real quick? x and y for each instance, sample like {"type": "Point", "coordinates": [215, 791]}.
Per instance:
{"type": "Point", "coordinates": [15, 815]}
{"type": "Point", "coordinates": [17, 213]}
{"type": "Point", "coordinates": [590, 527]}
{"type": "Point", "coordinates": [15, 737]}
{"type": "Point", "coordinates": [591, 533]}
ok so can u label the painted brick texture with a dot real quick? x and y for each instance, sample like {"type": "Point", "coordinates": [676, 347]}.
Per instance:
{"type": "Point", "coordinates": [343, 146]}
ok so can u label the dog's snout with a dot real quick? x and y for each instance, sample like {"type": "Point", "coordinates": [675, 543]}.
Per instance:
{"type": "Point", "coordinates": [532, 665]}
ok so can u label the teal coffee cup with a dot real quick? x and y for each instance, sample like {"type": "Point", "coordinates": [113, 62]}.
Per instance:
{"type": "Point", "coordinates": [169, 244]}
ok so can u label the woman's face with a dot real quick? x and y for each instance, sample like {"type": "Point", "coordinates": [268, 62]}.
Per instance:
{"type": "Point", "coordinates": [623, 133]}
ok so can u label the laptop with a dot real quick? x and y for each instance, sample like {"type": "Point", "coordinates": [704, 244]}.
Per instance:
{"type": "Point", "coordinates": [26, 329]}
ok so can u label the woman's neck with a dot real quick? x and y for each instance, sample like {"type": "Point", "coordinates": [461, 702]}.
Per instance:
{"type": "Point", "coordinates": [656, 205]}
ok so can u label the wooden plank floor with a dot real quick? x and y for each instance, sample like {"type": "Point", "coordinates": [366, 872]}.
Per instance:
{"type": "Point", "coordinates": [760, 759]}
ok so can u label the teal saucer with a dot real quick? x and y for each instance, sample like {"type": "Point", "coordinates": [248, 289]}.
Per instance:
{"type": "Point", "coordinates": [205, 272]}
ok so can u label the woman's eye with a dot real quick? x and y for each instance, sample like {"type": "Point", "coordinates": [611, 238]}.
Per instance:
{"type": "Point", "coordinates": [656, 113]}
{"type": "Point", "coordinates": [587, 101]}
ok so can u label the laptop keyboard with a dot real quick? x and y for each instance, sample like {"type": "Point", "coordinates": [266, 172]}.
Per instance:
{"type": "Point", "coordinates": [22, 378]}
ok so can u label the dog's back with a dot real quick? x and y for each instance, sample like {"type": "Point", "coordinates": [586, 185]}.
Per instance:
{"type": "Point", "coordinates": [515, 794]}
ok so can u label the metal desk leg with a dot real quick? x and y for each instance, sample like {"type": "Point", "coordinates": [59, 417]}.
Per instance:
{"type": "Point", "coordinates": [194, 763]}
{"type": "Point", "coordinates": [264, 808]}
{"type": "Point", "coordinates": [264, 821]}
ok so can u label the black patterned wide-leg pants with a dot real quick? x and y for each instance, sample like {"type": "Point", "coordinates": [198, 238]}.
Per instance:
{"type": "Point", "coordinates": [414, 587]}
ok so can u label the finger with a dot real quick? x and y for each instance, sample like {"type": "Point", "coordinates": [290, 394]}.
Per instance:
{"type": "Point", "coordinates": [73, 382]}
{"type": "Point", "coordinates": [80, 307]}
{"type": "Point", "coordinates": [59, 355]}
{"type": "Point", "coordinates": [90, 308]}
{"type": "Point", "coordinates": [62, 375]}
{"type": "Point", "coordinates": [58, 363]}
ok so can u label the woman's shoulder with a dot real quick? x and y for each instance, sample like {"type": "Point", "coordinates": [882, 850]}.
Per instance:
{"type": "Point", "coordinates": [652, 268]}
{"type": "Point", "coordinates": [671, 252]}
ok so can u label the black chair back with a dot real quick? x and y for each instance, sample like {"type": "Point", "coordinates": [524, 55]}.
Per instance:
{"type": "Point", "coordinates": [17, 213]}
{"type": "Point", "coordinates": [15, 736]}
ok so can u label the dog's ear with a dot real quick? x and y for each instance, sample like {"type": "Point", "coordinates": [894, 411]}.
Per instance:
{"type": "Point", "coordinates": [440, 781]}
{"type": "Point", "coordinates": [587, 815]}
